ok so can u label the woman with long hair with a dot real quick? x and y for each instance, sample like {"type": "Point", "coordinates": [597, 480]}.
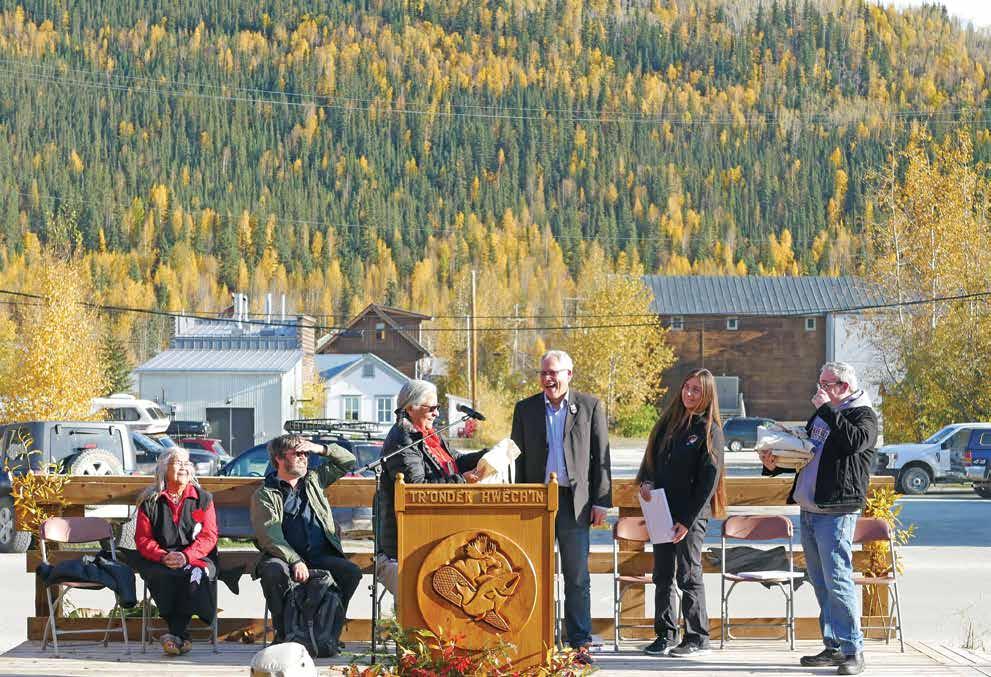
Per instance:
{"type": "Point", "coordinates": [684, 457]}
{"type": "Point", "coordinates": [176, 536]}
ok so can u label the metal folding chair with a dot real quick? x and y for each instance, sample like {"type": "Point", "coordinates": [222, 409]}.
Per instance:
{"type": "Point", "coordinates": [76, 530]}
{"type": "Point", "coordinates": [759, 528]}
{"type": "Point", "coordinates": [630, 529]}
{"type": "Point", "coordinates": [874, 530]}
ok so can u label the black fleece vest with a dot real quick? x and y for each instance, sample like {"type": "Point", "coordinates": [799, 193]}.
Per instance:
{"type": "Point", "coordinates": [167, 533]}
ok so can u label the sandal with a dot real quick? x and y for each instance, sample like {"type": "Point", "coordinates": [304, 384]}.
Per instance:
{"type": "Point", "coordinates": [170, 645]}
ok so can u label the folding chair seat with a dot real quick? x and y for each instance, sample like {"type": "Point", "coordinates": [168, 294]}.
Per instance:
{"type": "Point", "coordinates": [76, 530]}
{"type": "Point", "coordinates": [875, 530]}
{"type": "Point", "coordinates": [758, 528]}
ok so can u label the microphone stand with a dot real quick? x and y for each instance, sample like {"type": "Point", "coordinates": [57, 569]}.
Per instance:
{"type": "Point", "coordinates": [376, 467]}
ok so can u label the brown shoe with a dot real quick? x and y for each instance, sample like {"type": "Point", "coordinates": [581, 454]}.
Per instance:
{"type": "Point", "coordinates": [171, 644]}
{"type": "Point", "coordinates": [186, 647]}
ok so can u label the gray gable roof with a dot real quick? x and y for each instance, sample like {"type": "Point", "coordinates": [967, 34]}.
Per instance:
{"type": "Point", "coordinates": [753, 295]}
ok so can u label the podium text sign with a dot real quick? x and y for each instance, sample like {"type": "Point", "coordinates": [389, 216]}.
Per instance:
{"type": "Point", "coordinates": [477, 561]}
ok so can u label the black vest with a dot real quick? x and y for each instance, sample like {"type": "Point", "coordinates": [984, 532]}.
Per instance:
{"type": "Point", "coordinates": [168, 534]}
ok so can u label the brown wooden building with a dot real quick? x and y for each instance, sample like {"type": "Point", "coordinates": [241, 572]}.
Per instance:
{"type": "Point", "coordinates": [771, 333]}
{"type": "Point", "coordinates": [388, 333]}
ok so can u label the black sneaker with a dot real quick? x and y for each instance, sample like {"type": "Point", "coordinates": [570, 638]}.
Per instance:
{"type": "Point", "coordinates": [659, 647]}
{"type": "Point", "coordinates": [851, 665]}
{"type": "Point", "coordinates": [689, 648]}
{"type": "Point", "coordinates": [823, 659]}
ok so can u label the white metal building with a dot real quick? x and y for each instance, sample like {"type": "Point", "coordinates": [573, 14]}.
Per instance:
{"type": "Point", "coordinates": [360, 387]}
{"type": "Point", "coordinates": [243, 377]}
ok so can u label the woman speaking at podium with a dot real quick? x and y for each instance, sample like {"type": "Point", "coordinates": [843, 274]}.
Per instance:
{"type": "Point", "coordinates": [685, 458]}
{"type": "Point", "coordinates": [426, 460]}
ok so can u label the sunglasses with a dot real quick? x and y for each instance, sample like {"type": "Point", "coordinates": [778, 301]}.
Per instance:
{"type": "Point", "coordinates": [298, 454]}
{"type": "Point", "coordinates": [428, 407]}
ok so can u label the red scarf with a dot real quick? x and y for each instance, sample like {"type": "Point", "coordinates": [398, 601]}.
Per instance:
{"type": "Point", "coordinates": [436, 449]}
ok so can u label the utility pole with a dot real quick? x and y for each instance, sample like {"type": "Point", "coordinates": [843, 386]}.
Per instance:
{"type": "Point", "coordinates": [471, 383]}
{"type": "Point", "coordinates": [474, 343]}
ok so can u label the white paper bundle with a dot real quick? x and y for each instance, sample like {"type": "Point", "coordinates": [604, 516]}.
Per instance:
{"type": "Point", "coordinates": [781, 439]}
{"type": "Point", "coordinates": [493, 467]}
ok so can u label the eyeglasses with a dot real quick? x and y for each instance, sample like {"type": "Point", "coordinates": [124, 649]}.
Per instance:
{"type": "Point", "coordinates": [181, 464]}
{"type": "Point", "coordinates": [430, 407]}
{"type": "Point", "coordinates": [829, 384]}
{"type": "Point", "coordinates": [549, 373]}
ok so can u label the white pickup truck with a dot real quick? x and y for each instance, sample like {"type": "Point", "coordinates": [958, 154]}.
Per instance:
{"type": "Point", "coordinates": [938, 459]}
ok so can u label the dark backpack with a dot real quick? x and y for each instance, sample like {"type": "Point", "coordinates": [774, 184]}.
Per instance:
{"type": "Point", "coordinates": [313, 614]}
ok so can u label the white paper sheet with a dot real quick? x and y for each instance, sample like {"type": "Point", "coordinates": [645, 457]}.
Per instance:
{"type": "Point", "coordinates": [656, 512]}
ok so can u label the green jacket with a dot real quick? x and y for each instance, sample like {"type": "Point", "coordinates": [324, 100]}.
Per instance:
{"type": "Point", "coordinates": [266, 505]}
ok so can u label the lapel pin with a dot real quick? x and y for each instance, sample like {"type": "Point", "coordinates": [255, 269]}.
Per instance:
{"type": "Point", "coordinates": [573, 408]}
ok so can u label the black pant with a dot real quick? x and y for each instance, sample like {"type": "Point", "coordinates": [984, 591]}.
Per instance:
{"type": "Point", "coordinates": [685, 560]}
{"type": "Point", "coordinates": [275, 576]}
{"type": "Point", "coordinates": [177, 599]}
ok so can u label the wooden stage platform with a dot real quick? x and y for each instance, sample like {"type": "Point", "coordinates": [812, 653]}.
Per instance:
{"type": "Point", "coordinates": [742, 658]}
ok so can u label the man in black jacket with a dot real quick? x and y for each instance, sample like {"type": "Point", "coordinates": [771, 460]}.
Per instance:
{"type": "Point", "coordinates": [831, 491]}
{"type": "Point", "coordinates": [564, 432]}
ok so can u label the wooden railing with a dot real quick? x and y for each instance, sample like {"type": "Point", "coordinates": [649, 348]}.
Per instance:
{"type": "Point", "coordinates": [236, 492]}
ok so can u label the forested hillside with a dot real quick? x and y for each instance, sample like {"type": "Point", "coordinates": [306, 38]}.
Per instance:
{"type": "Point", "coordinates": [343, 152]}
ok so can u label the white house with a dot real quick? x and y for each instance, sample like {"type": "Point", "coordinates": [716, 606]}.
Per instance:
{"type": "Point", "coordinates": [360, 387]}
{"type": "Point", "coordinates": [243, 377]}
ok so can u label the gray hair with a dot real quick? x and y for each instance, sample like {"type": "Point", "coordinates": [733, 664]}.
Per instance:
{"type": "Point", "coordinates": [161, 468]}
{"type": "Point", "coordinates": [414, 392]}
{"type": "Point", "coordinates": [563, 359]}
{"type": "Point", "coordinates": [844, 372]}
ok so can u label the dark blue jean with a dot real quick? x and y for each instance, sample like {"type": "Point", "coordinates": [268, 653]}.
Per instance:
{"type": "Point", "coordinates": [828, 544]}
{"type": "Point", "coordinates": [573, 543]}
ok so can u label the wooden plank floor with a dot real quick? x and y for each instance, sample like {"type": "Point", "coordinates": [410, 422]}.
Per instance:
{"type": "Point", "coordinates": [740, 658]}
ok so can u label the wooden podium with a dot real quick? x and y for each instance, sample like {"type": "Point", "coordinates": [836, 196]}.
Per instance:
{"type": "Point", "coordinates": [477, 560]}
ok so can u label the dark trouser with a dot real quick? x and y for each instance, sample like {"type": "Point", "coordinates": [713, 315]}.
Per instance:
{"type": "Point", "coordinates": [177, 600]}
{"type": "Point", "coordinates": [275, 576]}
{"type": "Point", "coordinates": [685, 560]}
{"type": "Point", "coordinates": [573, 541]}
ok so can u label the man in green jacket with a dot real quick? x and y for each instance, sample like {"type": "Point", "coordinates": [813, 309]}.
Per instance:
{"type": "Point", "coordinates": [293, 524]}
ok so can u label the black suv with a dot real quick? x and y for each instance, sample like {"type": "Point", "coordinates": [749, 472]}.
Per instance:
{"type": "Point", "coordinates": [740, 432]}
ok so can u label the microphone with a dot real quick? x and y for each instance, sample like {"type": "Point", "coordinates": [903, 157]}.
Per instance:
{"type": "Point", "coordinates": [471, 413]}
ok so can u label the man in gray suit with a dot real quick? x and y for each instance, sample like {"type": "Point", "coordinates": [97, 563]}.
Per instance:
{"type": "Point", "coordinates": [565, 432]}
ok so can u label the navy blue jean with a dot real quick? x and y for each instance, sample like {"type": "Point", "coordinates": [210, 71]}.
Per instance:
{"type": "Point", "coordinates": [573, 543]}
{"type": "Point", "coordinates": [828, 544]}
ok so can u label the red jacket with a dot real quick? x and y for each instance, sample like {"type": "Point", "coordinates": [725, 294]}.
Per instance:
{"type": "Point", "coordinates": [202, 545]}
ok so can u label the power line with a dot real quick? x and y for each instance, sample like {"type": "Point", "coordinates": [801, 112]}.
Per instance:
{"type": "Point", "coordinates": [106, 82]}
{"type": "Point", "coordinates": [798, 312]}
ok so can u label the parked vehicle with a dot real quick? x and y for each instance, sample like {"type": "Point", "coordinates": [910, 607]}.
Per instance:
{"type": "Point", "coordinates": [143, 416]}
{"type": "Point", "coordinates": [211, 444]}
{"type": "Point", "coordinates": [77, 447]}
{"type": "Point", "coordinates": [975, 461]}
{"type": "Point", "coordinates": [148, 449]}
{"type": "Point", "coordinates": [254, 462]}
{"type": "Point", "coordinates": [740, 432]}
{"type": "Point", "coordinates": [182, 428]}
{"type": "Point", "coordinates": [940, 458]}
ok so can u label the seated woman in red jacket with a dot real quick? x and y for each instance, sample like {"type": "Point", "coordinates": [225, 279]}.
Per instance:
{"type": "Point", "coordinates": [176, 535]}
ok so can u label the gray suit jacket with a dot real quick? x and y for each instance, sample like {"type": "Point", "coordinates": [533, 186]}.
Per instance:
{"type": "Point", "coordinates": [586, 449]}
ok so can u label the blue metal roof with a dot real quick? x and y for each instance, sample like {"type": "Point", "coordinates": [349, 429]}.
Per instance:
{"type": "Point", "coordinates": [330, 365]}
{"type": "Point", "coordinates": [753, 295]}
{"type": "Point", "coordinates": [258, 361]}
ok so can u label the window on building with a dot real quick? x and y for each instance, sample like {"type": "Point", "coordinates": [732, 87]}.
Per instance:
{"type": "Point", "coordinates": [368, 371]}
{"type": "Point", "coordinates": [352, 407]}
{"type": "Point", "coordinates": [384, 409]}
{"type": "Point", "coordinates": [677, 322]}
{"type": "Point", "coordinates": [810, 324]}
{"type": "Point", "coordinates": [380, 331]}
{"type": "Point", "coordinates": [732, 324]}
